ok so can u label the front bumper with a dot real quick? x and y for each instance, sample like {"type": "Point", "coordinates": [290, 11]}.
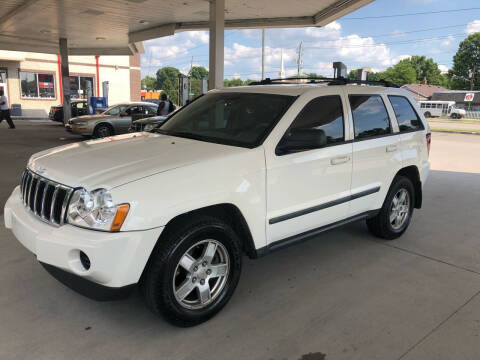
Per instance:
{"type": "Point", "coordinates": [117, 259]}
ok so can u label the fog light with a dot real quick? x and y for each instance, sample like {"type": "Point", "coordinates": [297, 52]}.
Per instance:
{"type": "Point", "coordinates": [84, 259]}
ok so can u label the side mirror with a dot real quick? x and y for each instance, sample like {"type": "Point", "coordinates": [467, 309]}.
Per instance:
{"type": "Point", "coordinates": [301, 140]}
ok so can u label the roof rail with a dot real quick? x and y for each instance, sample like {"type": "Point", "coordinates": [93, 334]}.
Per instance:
{"type": "Point", "coordinates": [320, 80]}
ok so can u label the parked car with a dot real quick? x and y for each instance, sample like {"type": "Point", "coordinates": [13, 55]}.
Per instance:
{"type": "Point", "coordinates": [79, 108]}
{"type": "Point", "coordinates": [245, 170]}
{"type": "Point", "coordinates": [147, 124]}
{"type": "Point", "coordinates": [114, 121]}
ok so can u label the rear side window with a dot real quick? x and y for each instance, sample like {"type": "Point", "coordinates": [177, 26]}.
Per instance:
{"type": "Point", "coordinates": [370, 117]}
{"type": "Point", "coordinates": [319, 124]}
{"type": "Point", "coordinates": [407, 118]}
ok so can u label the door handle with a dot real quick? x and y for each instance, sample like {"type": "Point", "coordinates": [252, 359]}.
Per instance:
{"type": "Point", "coordinates": [391, 148]}
{"type": "Point", "coordinates": [340, 160]}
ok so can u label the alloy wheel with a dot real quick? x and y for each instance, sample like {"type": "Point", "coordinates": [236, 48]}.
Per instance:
{"type": "Point", "coordinates": [201, 274]}
{"type": "Point", "coordinates": [399, 209]}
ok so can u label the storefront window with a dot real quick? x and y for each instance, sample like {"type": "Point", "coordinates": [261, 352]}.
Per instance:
{"type": "Point", "coordinates": [79, 86]}
{"type": "Point", "coordinates": [35, 85]}
{"type": "Point", "coordinates": [74, 86]}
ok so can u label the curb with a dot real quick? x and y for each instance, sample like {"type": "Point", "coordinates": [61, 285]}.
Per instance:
{"type": "Point", "coordinates": [464, 132]}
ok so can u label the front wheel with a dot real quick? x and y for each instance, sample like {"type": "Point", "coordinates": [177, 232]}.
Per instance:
{"type": "Point", "coordinates": [395, 215]}
{"type": "Point", "coordinates": [193, 272]}
{"type": "Point", "coordinates": [102, 130]}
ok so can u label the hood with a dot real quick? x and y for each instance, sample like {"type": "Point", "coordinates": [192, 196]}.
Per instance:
{"type": "Point", "coordinates": [90, 117]}
{"type": "Point", "coordinates": [150, 120]}
{"type": "Point", "coordinates": [114, 161]}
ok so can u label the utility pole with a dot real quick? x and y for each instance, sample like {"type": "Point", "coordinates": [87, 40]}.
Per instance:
{"type": "Point", "coordinates": [263, 53]}
{"type": "Point", "coordinates": [190, 78]}
{"type": "Point", "coordinates": [299, 59]}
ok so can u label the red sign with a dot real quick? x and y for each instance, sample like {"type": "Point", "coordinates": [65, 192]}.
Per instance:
{"type": "Point", "coordinates": [469, 97]}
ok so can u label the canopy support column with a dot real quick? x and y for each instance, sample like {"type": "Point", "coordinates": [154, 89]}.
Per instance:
{"type": "Point", "coordinates": [216, 58]}
{"type": "Point", "coordinates": [67, 110]}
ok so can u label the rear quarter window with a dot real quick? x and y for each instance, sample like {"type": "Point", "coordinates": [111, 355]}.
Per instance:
{"type": "Point", "coordinates": [407, 117]}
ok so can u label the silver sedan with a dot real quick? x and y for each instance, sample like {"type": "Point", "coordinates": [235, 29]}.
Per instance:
{"type": "Point", "coordinates": [115, 120]}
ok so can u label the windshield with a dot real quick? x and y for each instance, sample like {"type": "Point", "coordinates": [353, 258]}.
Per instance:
{"type": "Point", "coordinates": [240, 119]}
{"type": "Point", "coordinates": [115, 110]}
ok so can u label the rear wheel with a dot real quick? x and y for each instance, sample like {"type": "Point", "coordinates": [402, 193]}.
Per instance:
{"type": "Point", "coordinates": [102, 130]}
{"type": "Point", "coordinates": [427, 114]}
{"type": "Point", "coordinates": [396, 212]}
{"type": "Point", "coordinates": [193, 272]}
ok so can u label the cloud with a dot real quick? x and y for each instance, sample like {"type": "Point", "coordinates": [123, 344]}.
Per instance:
{"type": "Point", "coordinates": [321, 46]}
{"type": "Point", "coordinates": [444, 69]}
{"type": "Point", "coordinates": [473, 27]}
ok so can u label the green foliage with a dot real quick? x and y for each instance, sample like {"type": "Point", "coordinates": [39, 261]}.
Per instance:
{"type": "Point", "coordinates": [402, 73]}
{"type": "Point", "coordinates": [197, 74]}
{"type": "Point", "coordinates": [466, 64]}
{"type": "Point", "coordinates": [233, 82]}
{"type": "Point", "coordinates": [149, 83]}
{"type": "Point", "coordinates": [167, 81]}
{"type": "Point", "coordinates": [426, 69]}
{"type": "Point", "coordinates": [409, 71]}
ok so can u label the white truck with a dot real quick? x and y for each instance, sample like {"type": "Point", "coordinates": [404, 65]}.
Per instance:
{"type": "Point", "coordinates": [244, 170]}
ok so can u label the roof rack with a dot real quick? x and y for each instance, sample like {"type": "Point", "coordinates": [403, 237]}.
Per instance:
{"type": "Point", "coordinates": [321, 80]}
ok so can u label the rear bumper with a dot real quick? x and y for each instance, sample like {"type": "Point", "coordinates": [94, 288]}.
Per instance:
{"type": "Point", "coordinates": [116, 259]}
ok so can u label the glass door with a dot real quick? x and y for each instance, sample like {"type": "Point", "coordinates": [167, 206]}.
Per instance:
{"type": "Point", "coordinates": [3, 81]}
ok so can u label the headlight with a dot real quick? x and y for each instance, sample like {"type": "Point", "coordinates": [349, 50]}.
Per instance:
{"type": "Point", "coordinates": [96, 210]}
{"type": "Point", "coordinates": [148, 127]}
{"type": "Point", "coordinates": [80, 123]}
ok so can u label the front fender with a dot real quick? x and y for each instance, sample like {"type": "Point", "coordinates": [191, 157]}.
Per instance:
{"type": "Point", "coordinates": [238, 179]}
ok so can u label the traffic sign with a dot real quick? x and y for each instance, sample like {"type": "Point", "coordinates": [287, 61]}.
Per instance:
{"type": "Point", "coordinates": [469, 97]}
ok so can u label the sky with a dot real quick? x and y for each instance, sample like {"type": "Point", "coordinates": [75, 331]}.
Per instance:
{"type": "Point", "coordinates": [371, 36]}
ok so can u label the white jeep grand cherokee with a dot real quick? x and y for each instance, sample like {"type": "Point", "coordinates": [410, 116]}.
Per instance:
{"type": "Point", "coordinates": [243, 170]}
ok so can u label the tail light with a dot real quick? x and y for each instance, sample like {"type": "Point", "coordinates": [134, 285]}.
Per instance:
{"type": "Point", "coordinates": [57, 109]}
{"type": "Point", "coordinates": [429, 142]}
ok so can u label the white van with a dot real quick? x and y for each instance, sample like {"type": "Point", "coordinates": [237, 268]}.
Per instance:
{"type": "Point", "coordinates": [441, 108]}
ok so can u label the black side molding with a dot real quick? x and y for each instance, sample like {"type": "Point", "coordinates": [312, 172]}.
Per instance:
{"type": "Point", "coordinates": [323, 206]}
{"type": "Point", "coordinates": [280, 244]}
{"type": "Point", "coordinates": [88, 288]}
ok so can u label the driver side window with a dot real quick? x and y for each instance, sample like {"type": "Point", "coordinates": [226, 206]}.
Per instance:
{"type": "Point", "coordinates": [319, 124]}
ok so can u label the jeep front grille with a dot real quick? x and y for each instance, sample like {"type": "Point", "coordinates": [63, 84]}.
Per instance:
{"type": "Point", "coordinates": [47, 199]}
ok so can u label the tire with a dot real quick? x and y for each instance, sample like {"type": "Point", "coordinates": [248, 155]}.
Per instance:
{"type": "Point", "coordinates": [381, 225]}
{"type": "Point", "coordinates": [102, 130]}
{"type": "Point", "coordinates": [164, 277]}
{"type": "Point", "coordinates": [454, 116]}
{"type": "Point", "coordinates": [427, 114]}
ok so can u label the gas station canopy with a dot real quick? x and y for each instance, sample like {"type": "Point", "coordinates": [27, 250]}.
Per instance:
{"type": "Point", "coordinates": [117, 27]}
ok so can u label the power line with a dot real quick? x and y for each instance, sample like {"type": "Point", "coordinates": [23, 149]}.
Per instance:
{"type": "Point", "coordinates": [410, 14]}
{"type": "Point", "coordinates": [411, 41]}
{"type": "Point", "coordinates": [405, 32]}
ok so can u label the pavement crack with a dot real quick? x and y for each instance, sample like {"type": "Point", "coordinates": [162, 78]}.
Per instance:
{"type": "Point", "coordinates": [438, 326]}
{"type": "Point", "coordinates": [428, 257]}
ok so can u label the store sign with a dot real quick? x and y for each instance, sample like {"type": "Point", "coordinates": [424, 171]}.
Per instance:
{"type": "Point", "coordinates": [469, 97]}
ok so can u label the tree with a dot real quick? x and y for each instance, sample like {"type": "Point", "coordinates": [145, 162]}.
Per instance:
{"type": "Point", "coordinates": [167, 81]}
{"type": "Point", "coordinates": [233, 82]}
{"type": "Point", "coordinates": [149, 83]}
{"type": "Point", "coordinates": [426, 69]}
{"type": "Point", "coordinates": [408, 71]}
{"type": "Point", "coordinates": [196, 77]}
{"type": "Point", "coordinates": [198, 72]}
{"type": "Point", "coordinates": [466, 62]}
{"type": "Point", "coordinates": [402, 73]}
